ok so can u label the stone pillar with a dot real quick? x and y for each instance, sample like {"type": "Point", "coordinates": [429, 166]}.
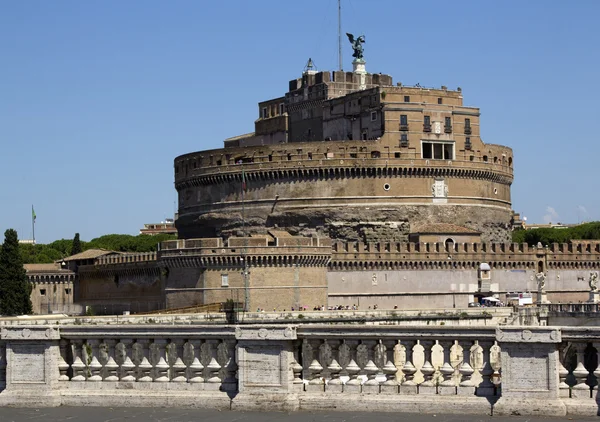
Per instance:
{"type": "Point", "coordinates": [530, 371]}
{"type": "Point", "coordinates": [359, 67]}
{"type": "Point", "coordinates": [265, 367]}
{"type": "Point", "coordinates": [32, 366]}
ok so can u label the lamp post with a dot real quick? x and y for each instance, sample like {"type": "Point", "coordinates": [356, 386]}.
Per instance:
{"type": "Point", "coordinates": [246, 287]}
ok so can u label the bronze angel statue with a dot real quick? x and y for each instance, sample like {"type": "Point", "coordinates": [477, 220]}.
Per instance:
{"type": "Point", "coordinates": [357, 45]}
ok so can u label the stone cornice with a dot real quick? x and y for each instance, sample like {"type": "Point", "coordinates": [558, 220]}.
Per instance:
{"type": "Point", "coordinates": [234, 174]}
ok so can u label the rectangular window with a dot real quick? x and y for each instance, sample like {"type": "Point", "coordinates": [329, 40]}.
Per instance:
{"type": "Point", "coordinates": [67, 291]}
{"type": "Point", "coordinates": [265, 113]}
{"type": "Point", "coordinates": [404, 120]}
{"type": "Point", "coordinates": [406, 99]}
{"type": "Point", "coordinates": [281, 109]}
{"type": "Point", "coordinates": [438, 150]}
{"type": "Point", "coordinates": [427, 148]}
{"type": "Point", "coordinates": [427, 124]}
{"type": "Point", "coordinates": [42, 292]}
{"type": "Point", "coordinates": [468, 126]}
{"type": "Point", "coordinates": [448, 125]}
{"type": "Point", "coordinates": [373, 116]}
{"type": "Point", "coordinates": [224, 280]}
{"type": "Point", "coordinates": [364, 136]}
{"type": "Point", "coordinates": [404, 137]}
{"type": "Point", "coordinates": [468, 142]}
{"type": "Point", "coordinates": [439, 101]}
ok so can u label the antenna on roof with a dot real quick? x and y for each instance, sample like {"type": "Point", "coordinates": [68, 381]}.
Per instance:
{"type": "Point", "coordinates": [340, 34]}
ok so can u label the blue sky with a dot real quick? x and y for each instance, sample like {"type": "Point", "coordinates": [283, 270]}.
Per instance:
{"type": "Point", "coordinates": [98, 98]}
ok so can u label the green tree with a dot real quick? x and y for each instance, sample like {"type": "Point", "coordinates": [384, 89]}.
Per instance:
{"type": "Point", "coordinates": [15, 289]}
{"type": "Point", "coordinates": [76, 248]}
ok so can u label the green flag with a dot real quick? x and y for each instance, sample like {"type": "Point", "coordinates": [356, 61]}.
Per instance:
{"type": "Point", "coordinates": [33, 214]}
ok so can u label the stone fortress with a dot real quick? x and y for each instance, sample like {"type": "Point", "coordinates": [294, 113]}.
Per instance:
{"type": "Point", "coordinates": [353, 161]}
{"type": "Point", "coordinates": [350, 191]}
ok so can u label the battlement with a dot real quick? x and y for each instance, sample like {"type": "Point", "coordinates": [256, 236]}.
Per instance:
{"type": "Point", "coordinates": [347, 80]}
{"type": "Point", "coordinates": [404, 255]}
{"type": "Point", "coordinates": [590, 247]}
{"type": "Point", "coordinates": [126, 258]}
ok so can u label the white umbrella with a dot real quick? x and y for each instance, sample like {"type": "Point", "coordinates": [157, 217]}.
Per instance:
{"type": "Point", "coordinates": [491, 299]}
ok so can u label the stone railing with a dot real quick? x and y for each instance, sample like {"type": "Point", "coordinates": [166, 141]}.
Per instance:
{"type": "Point", "coordinates": [507, 370]}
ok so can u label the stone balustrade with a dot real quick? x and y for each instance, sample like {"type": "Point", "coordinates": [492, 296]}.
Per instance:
{"type": "Point", "coordinates": [507, 370]}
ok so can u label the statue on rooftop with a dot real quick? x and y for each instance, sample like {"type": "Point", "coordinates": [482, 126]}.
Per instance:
{"type": "Point", "coordinates": [594, 282]}
{"type": "Point", "coordinates": [357, 45]}
{"type": "Point", "coordinates": [541, 281]}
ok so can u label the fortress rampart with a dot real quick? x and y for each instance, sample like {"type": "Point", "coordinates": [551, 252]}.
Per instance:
{"type": "Point", "coordinates": [282, 271]}
{"type": "Point", "coordinates": [315, 186]}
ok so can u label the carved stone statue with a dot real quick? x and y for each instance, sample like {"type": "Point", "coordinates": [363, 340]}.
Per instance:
{"type": "Point", "coordinates": [594, 281]}
{"type": "Point", "coordinates": [357, 45]}
{"type": "Point", "coordinates": [541, 280]}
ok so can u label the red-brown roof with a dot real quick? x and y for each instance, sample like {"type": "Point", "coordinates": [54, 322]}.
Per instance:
{"type": "Point", "coordinates": [90, 254]}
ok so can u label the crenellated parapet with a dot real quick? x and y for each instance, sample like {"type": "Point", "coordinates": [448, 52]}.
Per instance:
{"type": "Point", "coordinates": [126, 258]}
{"type": "Point", "coordinates": [128, 265]}
{"type": "Point", "coordinates": [255, 252]}
{"type": "Point", "coordinates": [440, 256]}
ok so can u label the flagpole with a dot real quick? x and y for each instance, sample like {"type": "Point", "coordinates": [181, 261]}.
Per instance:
{"type": "Point", "coordinates": [33, 223]}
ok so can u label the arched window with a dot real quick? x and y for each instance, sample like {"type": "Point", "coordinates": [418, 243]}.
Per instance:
{"type": "Point", "coordinates": [449, 243]}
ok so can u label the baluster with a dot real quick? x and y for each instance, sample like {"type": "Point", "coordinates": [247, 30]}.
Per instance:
{"type": "Point", "coordinates": [316, 382]}
{"type": "Point", "coordinates": [466, 386]}
{"type": "Point", "coordinates": [353, 385]}
{"type": "Point", "coordinates": [596, 372]}
{"type": "Point", "coordinates": [390, 385]}
{"type": "Point", "coordinates": [127, 367]}
{"type": "Point", "coordinates": [335, 384]}
{"type": "Point", "coordinates": [161, 368]}
{"type": "Point", "coordinates": [580, 390]}
{"type": "Point", "coordinates": [229, 365]}
{"type": "Point", "coordinates": [564, 391]}
{"type": "Point", "coordinates": [78, 367]}
{"type": "Point", "coordinates": [145, 367]}
{"type": "Point", "coordinates": [63, 366]}
{"type": "Point", "coordinates": [427, 386]}
{"type": "Point", "coordinates": [297, 370]}
{"type": "Point", "coordinates": [196, 367]}
{"type": "Point", "coordinates": [94, 366]}
{"type": "Point", "coordinates": [497, 376]}
{"type": "Point", "coordinates": [486, 387]}
{"type": "Point", "coordinates": [179, 367]}
{"type": "Point", "coordinates": [371, 385]}
{"type": "Point", "coordinates": [409, 386]}
{"type": "Point", "coordinates": [448, 385]}
{"type": "Point", "coordinates": [111, 366]}
{"type": "Point", "coordinates": [213, 367]}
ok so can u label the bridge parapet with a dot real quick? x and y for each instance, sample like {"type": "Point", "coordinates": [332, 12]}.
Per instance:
{"type": "Point", "coordinates": [308, 367]}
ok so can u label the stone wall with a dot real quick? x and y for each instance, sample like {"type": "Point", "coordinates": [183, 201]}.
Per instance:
{"type": "Point", "coordinates": [117, 288]}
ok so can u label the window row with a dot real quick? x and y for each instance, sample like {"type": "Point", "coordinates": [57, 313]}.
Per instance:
{"type": "Point", "coordinates": [427, 124]}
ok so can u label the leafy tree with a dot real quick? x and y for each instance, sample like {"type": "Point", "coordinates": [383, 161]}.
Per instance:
{"type": "Point", "coordinates": [76, 247]}
{"type": "Point", "coordinates": [586, 231]}
{"type": "Point", "coordinates": [15, 289]}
